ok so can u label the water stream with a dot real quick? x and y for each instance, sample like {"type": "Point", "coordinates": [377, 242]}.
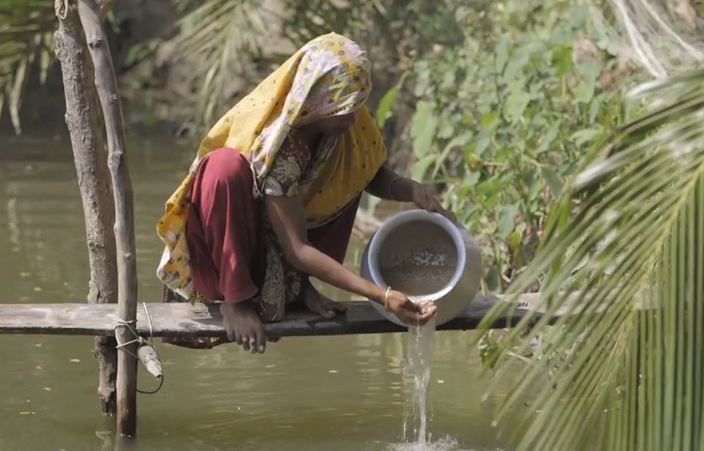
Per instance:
{"type": "Point", "coordinates": [419, 357]}
{"type": "Point", "coordinates": [416, 433]}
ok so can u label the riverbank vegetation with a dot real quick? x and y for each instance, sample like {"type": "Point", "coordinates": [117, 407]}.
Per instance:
{"type": "Point", "coordinates": [517, 110]}
{"type": "Point", "coordinates": [495, 102]}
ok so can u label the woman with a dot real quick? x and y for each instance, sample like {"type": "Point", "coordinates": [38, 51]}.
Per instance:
{"type": "Point", "coordinates": [272, 195]}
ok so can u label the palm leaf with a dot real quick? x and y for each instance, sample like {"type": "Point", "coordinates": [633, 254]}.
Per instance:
{"type": "Point", "coordinates": [217, 39]}
{"type": "Point", "coordinates": [222, 38]}
{"type": "Point", "coordinates": [310, 18]}
{"type": "Point", "coordinates": [26, 32]}
{"type": "Point", "coordinates": [622, 366]}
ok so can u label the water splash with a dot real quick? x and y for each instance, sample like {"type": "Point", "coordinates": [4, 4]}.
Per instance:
{"type": "Point", "coordinates": [444, 444]}
{"type": "Point", "coordinates": [416, 425]}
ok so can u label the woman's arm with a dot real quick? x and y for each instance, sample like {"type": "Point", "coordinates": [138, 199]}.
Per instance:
{"type": "Point", "coordinates": [386, 184]}
{"type": "Point", "coordinates": [288, 221]}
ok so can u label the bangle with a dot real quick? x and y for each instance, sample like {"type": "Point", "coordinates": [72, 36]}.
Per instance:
{"type": "Point", "coordinates": [386, 298]}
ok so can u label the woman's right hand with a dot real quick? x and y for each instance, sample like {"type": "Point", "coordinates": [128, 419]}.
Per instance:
{"type": "Point", "coordinates": [408, 311]}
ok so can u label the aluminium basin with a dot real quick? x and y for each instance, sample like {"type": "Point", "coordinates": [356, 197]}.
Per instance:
{"type": "Point", "coordinates": [427, 257]}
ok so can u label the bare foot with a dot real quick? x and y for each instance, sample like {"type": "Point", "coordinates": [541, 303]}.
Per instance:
{"type": "Point", "coordinates": [317, 303]}
{"type": "Point", "coordinates": [242, 324]}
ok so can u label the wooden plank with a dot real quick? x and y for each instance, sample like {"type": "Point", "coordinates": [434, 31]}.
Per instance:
{"type": "Point", "coordinates": [175, 320]}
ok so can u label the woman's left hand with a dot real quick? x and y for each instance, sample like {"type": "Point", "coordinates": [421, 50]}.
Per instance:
{"type": "Point", "coordinates": [425, 199]}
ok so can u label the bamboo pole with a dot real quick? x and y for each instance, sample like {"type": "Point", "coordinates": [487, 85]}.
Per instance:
{"type": "Point", "coordinates": [106, 85]}
{"type": "Point", "coordinates": [84, 123]}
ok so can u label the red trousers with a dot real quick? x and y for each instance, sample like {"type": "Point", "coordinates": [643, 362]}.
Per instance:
{"type": "Point", "coordinates": [224, 225]}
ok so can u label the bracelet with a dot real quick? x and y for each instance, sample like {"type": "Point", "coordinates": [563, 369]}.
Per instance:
{"type": "Point", "coordinates": [386, 298]}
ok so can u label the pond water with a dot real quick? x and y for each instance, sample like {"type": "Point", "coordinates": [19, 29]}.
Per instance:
{"type": "Point", "coordinates": [333, 393]}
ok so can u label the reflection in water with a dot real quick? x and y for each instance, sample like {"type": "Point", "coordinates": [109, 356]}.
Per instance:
{"type": "Point", "coordinates": [341, 393]}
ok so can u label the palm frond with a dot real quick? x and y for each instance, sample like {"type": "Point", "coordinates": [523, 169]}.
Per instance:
{"type": "Point", "coordinates": [310, 18]}
{"type": "Point", "coordinates": [622, 367]}
{"type": "Point", "coordinates": [224, 39]}
{"type": "Point", "coordinates": [218, 39]}
{"type": "Point", "coordinates": [26, 36]}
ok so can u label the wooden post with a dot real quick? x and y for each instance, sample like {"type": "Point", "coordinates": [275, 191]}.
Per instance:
{"type": "Point", "coordinates": [106, 84]}
{"type": "Point", "coordinates": [84, 123]}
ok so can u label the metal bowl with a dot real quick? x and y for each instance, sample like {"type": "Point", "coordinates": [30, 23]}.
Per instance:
{"type": "Point", "coordinates": [427, 257]}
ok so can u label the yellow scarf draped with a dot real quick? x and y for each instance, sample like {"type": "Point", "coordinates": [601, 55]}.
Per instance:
{"type": "Point", "coordinates": [328, 76]}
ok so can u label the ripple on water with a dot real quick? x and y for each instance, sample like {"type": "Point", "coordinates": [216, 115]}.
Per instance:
{"type": "Point", "coordinates": [444, 444]}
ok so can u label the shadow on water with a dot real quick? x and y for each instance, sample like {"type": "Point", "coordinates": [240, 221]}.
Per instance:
{"type": "Point", "coordinates": [342, 393]}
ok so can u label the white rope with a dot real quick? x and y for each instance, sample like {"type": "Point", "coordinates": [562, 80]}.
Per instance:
{"type": "Point", "coordinates": [130, 325]}
{"type": "Point", "coordinates": [137, 338]}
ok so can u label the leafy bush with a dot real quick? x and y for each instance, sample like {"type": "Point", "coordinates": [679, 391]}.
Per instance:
{"type": "Point", "coordinates": [503, 118]}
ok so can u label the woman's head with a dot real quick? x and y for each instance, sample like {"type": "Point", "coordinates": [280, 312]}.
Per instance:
{"type": "Point", "coordinates": [339, 80]}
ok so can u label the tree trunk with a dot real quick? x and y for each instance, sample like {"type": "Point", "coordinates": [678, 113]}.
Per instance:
{"type": "Point", "coordinates": [106, 85]}
{"type": "Point", "coordinates": [84, 123]}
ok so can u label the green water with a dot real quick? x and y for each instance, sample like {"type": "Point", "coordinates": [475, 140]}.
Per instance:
{"type": "Point", "coordinates": [332, 393]}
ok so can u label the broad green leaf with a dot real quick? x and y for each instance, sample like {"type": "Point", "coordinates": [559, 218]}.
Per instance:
{"type": "Point", "coordinates": [458, 141]}
{"type": "Point", "coordinates": [553, 180]}
{"type": "Point", "coordinates": [491, 120]}
{"type": "Point", "coordinates": [420, 168]}
{"type": "Point", "coordinates": [481, 144]}
{"type": "Point", "coordinates": [583, 136]}
{"type": "Point", "coordinates": [471, 179]}
{"type": "Point", "coordinates": [584, 91]}
{"type": "Point", "coordinates": [386, 104]}
{"type": "Point", "coordinates": [423, 127]}
{"type": "Point", "coordinates": [515, 240]}
{"type": "Point", "coordinates": [595, 107]}
{"type": "Point", "coordinates": [519, 58]}
{"type": "Point", "coordinates": [589, 70]}
{"type": "Point", "coordinates": [507, 220]}
{"type": "Point", "coordinates": [515, 105]}
{"type": "Point", "coordinates": [579, 16]}
{"type": "Point", "coordinates": [501, 54]}
{"type": "Point", "coordinates": [490, 187]}
{"type": "Point", "coordinates": [562, 60]}
{"type": "Point", "coordinates": [493, 279]}
{"type": "Point", "coordinates": [383, 111]}
{"type": "Point", "coordinates": [445, 129]}
{"type": "Point", "coordinates": [549, 137]}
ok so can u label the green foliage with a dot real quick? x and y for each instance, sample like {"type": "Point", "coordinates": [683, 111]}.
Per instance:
{"type": "Point", "coordinates": [623, 265]}
{"type": "Point", "coordinates": [216, 39]}
{"type": "Point", "coordinates": [503, 117]}
{"type": "Point", "coordinates": [222, 38]}
{"type": "Point", "coordinates": [26, 41]}
{"type": "Point", "coordinates": [385, 108]}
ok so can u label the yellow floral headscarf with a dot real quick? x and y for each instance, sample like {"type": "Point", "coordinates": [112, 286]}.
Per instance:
{"type": "Point", "coordinates": [328, 76]}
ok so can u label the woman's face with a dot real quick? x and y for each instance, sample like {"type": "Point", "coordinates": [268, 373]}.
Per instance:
{"type": "Point", "coordinates": [336, 125]}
